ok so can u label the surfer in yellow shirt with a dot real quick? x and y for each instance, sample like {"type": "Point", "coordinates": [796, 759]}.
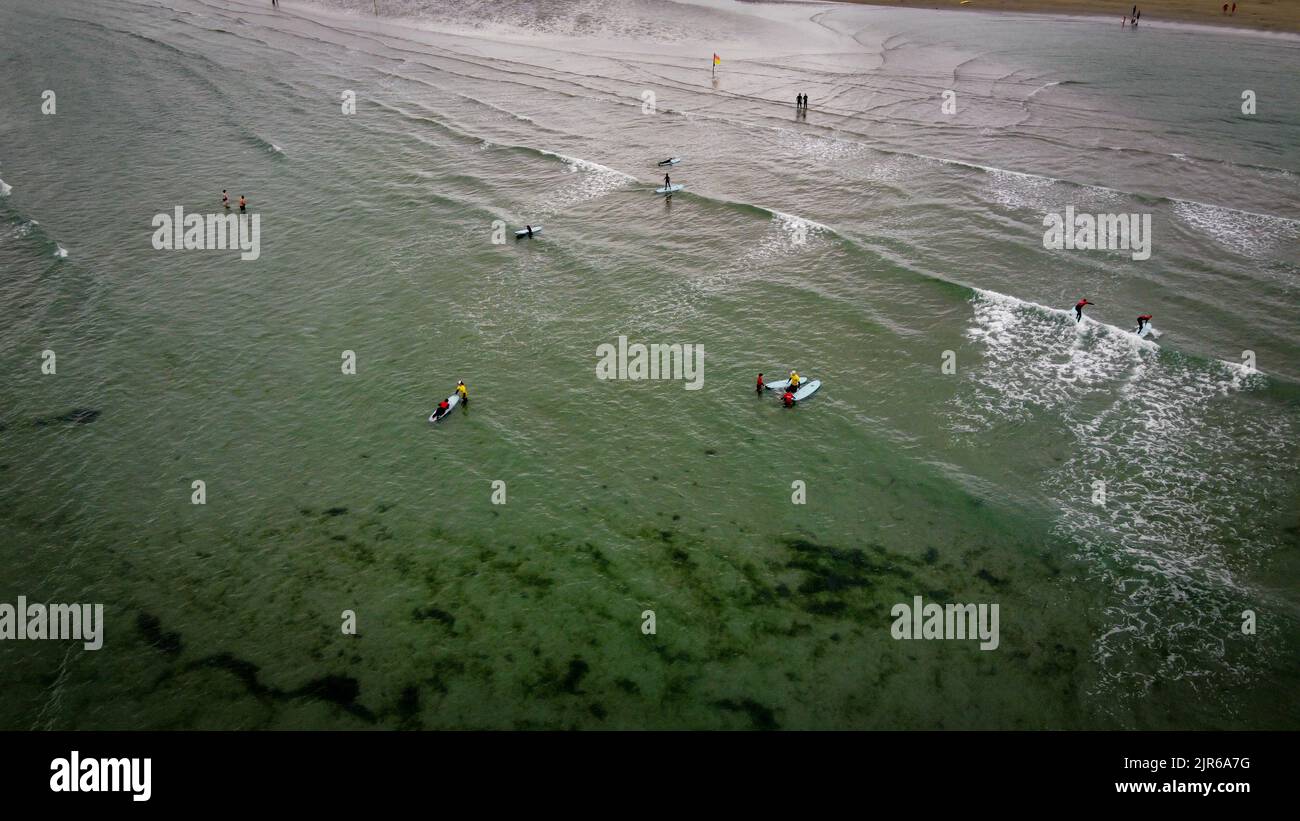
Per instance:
{"type": "Point", "coordinates": [462, 392]}
{"type": "Point", "coordinates": [794, 380]}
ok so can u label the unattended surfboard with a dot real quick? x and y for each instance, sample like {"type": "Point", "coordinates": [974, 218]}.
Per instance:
{"type": "Point", "coordinates": [523, 232]}
{"type": "Point", "coordinates": [439, 414]}
{"type": "Point", "coordinates": [670, 189]}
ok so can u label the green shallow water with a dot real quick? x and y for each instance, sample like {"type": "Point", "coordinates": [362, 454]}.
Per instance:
{"type": "Point", "coordinates": [859, 258]}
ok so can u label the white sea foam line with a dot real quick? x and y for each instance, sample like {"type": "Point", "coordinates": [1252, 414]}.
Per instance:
{"type": "Point", "coordinates": [1174, 482]}
{"type": "Point", "coordinates": [1174, 491]}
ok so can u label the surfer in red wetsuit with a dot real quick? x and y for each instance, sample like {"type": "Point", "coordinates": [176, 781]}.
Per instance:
{"type": "Point", "coordinates": [788, 398]}
{"type": "Point", "coordinates": [1143, 320]}
{"type": "Point", "coordinates": [759, 389]}
{"type": "Point", "coordinates": [1078, 309]}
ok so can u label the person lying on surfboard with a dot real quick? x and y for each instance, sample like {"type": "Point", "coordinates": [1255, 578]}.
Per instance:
{"type": "Point", "coordinates": [443, 407]}
{"type": "Point", "coordinates": [668, 161]}
{"type": "Point", "coordinates": [463, 391]}
{"type": "Point", "coordinates": [1143, 320]}
{"type": "Point", "coordinates": [1078, 309]}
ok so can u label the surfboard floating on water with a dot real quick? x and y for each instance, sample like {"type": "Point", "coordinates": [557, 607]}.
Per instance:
{"type": "Point", "coordinates": [670, 189]}
{"type": "Point", "coordinates": [807, 387]}
{"type": "Point", "coordinates": [523, 232]}
{"type": "Point", "coordinates": [670, 161]}
{"type": "Point", "coordinates": [452, 401]}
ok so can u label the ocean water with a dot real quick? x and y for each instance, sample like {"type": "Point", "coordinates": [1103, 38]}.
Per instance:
{"type": "Point", "coordinates": [858, 243]}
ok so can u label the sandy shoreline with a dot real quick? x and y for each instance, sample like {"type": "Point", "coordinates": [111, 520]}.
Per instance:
{"type": "Point", "coordinates": [1262, 15]}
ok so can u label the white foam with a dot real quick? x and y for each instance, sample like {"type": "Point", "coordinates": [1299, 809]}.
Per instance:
{"type": "Point", "coordinates": [594, 181]}
{"type": "Point", "coordinates": [1242, 232]}
{"type": "Point", "coordinates": [1186, 473]}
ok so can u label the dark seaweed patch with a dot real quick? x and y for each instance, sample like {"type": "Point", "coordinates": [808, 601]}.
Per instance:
{"type": "Point", "coordinates": [762, 717]}
{"type": "Point", "coordinates": [408, 705]}
{"type": "Point", "coordinates": [427, 613]}
{"type": "Point", "coordinates": [76, 416]}
{"type": "Point", "coordinates": [342, 691]}
{"type": "Point", "coordinates": [577, 669]}
{"type": "Point", "coordinates": [151, 627]}
{"type": "Point", "coordinates": [990, 578]}
{"type": "Point", "coordinates": [336, 511]}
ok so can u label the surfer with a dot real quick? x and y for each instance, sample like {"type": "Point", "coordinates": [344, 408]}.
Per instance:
{"type": "Point", "coordinates": [242, 202]}
{"type": "Point", "coordinates": [667, 182]}
{"type": "Point", "coordinates": [225, 200]}
{"type": "Point", "coordinates": [1143, 320]}
{"type": "Point", "coordinates": [787, 398]}
{"type": "Point", "coordinates": [443, 407]}
{"type": "Point", "coordinates": [530, 230]}
{"type": "Point", "coordinates": [760, 387]}
{"type": "Point", "coordinates": [668, 161]}
{"type": "Point", "coordinates": [794, 380]}
{"type": "Point", "coordinates": [1078, 309]}
{"type": "Point", "coordinates": [462, 391]}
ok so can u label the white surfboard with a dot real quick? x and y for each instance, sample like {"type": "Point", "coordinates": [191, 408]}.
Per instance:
{"type": "Point", "coordinates": [670, 189]}
{"type": "Point", "coordinates": [523, 232]}
{"type": "Point", "coordinates": [439, 414]}
{"type": "Point", "coordinates": [807, 387]}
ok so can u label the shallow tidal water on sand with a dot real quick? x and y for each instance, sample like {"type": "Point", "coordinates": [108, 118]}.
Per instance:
{"type": "Point", "coordinates": [857, 243]}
